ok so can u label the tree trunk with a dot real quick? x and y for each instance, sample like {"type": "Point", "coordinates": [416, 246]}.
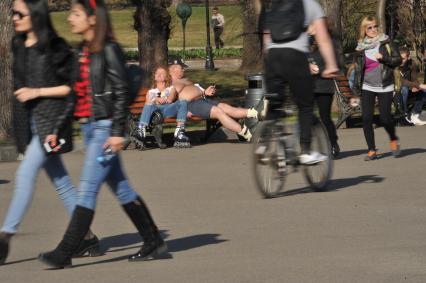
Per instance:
{"type": "Point", "coordinates": [333, 10]}
{"type": "Point", "coordinates": [252, 53]}
{"type": "Point", "coordinates": [152, 22]}
{"type": "Point", "coordinates": [381, 14]}
{"type": "Point", "coordinates": [6, 88]}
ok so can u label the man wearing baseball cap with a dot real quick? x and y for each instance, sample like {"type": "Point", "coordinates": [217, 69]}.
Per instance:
{"type": "Point", "coordinates": [200, 104]}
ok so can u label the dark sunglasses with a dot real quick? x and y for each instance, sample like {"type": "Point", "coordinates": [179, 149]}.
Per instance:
{"type": "Point", "coordinates": [372, 27]}
{"type": "Point", "coordinates": [19, 14]}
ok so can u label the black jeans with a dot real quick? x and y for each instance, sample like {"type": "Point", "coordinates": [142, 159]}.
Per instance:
{"type": "Point", "coordinates": [217, 40]}
{"type": "Point", "coordinates": [286, 65]}
{"type": "Point", "coordinates": [368, 100]}
{"type": "Point", "coordinates": [324, 101]}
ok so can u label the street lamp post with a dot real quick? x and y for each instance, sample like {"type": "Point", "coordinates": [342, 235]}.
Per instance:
{"type": "Point", "coordinates": [209, 58]}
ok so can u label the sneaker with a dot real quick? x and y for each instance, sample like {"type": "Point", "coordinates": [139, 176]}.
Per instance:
{"type": "Point", "coordinates": [245, 134]}
{"type": "Point", "coordinates": [252, 113]}
{"type": "Point", "coordinates": [405, 121]}
{"type": "Point", "coordinates": [371, 155]}
{"type": "Point", "coordinates": [396, 148]}
{"type": "Point", "coordinates": [312, 158]}
{"type": "Point", "coordinates": [415, 119]}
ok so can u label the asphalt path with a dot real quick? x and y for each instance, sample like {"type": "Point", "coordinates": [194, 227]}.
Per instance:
{"type": "Point", "coordinates": [370, 226]}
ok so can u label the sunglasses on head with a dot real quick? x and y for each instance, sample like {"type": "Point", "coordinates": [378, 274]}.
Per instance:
{"type": "Point", "coordinates": [372, 27]}
{"type": "Point", "coordinates": [20, 15]}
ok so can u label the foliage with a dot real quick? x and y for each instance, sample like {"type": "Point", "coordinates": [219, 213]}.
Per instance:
{"type": "Point", "coordinates": [412, 24]}
{"type": "Point", "coordinates": [352, 13]}
{"type": "Point", "coordinates": [133, 55]}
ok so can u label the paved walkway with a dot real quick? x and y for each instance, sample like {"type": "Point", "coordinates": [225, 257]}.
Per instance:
{"type": "Point", "coordinates": [369, 227]}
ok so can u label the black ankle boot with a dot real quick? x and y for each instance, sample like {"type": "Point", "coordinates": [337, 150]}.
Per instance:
{"type": "Point", "coordinates": [153, 245]}
{"type": "Point", "coordinates": [77, 229]}
{"type": "Point", "coordinates": [4, 246]}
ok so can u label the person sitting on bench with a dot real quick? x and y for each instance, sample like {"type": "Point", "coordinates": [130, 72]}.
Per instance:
{"type": "Point", "coordinates": [410, 86]}
{"type": "Point", "coordinates": [162, 98]}
{"type": "Point", "coordinates": [200, 105]}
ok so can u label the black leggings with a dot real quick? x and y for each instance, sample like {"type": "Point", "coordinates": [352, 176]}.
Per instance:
{"type": "Point", "coordinates": [324, 101]}
{"type": "Point", "coordinates": [368, 100]}
{"type": "Point", "coordinates": [285, 65]}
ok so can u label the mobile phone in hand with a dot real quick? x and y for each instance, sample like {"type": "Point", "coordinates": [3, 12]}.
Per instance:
{"type": "Point", "coordinates": [48, 147]}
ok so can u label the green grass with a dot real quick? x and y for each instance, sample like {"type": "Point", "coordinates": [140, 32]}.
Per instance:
{"type": "Point", "coordinates": [195, 28]}
{"type": "Point", "coordinates": [230, 85]}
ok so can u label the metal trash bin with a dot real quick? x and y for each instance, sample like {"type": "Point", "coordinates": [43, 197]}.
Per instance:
{"type": "Point", "coordinates": [254, 95]}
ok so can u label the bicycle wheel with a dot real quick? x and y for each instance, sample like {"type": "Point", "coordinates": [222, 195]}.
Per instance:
{"type": "Point", "coordinates": [269, 158]}
{"type": "Point", "coordinates": [318, 175]}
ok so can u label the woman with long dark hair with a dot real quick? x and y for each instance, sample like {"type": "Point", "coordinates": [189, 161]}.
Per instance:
{"type": "Point", "coordinates": [42, 68]}
{"type": "Point", "coordinates": [103, 94]}
{"type": "Point", "coordinates": [376, 59]}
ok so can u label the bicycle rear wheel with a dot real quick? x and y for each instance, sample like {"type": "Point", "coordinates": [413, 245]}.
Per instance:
{"type": "Point", "coordinates": [318, 175]}
{"type": "Point", "coordinates": [269, 158]}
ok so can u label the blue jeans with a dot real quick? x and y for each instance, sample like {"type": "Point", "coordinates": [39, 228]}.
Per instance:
{"type": "Point", "coordinates": [35, 159]}
{"type": "Point", "coordinates": [418, 104]}
{"type": "Point", "coordinates": [94, 173]}
{"type": "Point", "coordinates": [178, 109]}
{"type": "Point", "coordinates": [86, 130]}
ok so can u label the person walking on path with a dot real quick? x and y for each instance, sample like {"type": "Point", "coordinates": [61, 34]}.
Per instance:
{"type": "Point", "coordinates": [218, 24]}
{"type": "Point", "coordinates": [42, 70]}
{"type": "Point", "coordinates": [324, 93]}
{"type": "Point", "coordinates": [102, 67]}
{"type": "Point", "coordinates": [376, 59]}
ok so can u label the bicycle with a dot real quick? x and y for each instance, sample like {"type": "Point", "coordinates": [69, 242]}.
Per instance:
{"type": "Point", "coordinates": [276, 151]}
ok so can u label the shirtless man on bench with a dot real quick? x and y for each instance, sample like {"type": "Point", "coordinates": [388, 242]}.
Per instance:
{"type": "Point", "coordinates": [199, 103]}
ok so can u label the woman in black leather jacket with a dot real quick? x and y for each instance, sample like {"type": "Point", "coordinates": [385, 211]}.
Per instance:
{"type": "Point", "coordinates": [376, 59]}
{"type": "Point", "coordinates": [102, 94]}
{"type": "Point", "coordinates": [42, 78]}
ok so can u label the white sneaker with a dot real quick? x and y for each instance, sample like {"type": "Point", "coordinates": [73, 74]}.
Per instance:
{"type": "Point", "coordinates": [416, 120]}
{"type": "Point", "coordinates": [245, 134]}
{"type": "Point", "coordinates": [312, 158]}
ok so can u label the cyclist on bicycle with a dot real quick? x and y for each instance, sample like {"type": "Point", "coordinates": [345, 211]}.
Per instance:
{"type": "Point", "coordinates": [286, 45]}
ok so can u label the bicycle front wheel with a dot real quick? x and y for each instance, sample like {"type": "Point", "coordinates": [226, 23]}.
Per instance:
{"type": "Point", "coordinates": [318, 175]}
{"type": "Point", "coordinates": [269, 158]}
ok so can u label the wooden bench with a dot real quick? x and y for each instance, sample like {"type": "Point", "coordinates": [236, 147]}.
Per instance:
{"type": "Point", "coordinates": [136, 109]}
{"type": "Point", "coordinates": [343, 98]}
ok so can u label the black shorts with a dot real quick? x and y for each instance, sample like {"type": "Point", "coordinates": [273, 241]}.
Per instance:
{"type": "Point", "coordinates": [202, 107]}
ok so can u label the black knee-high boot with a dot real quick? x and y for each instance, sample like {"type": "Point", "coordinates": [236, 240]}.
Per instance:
{"type": "Point", "coordinates": [77, 229]}
{"type": "Point", "coordinates": [4, 246]}
{"type": "Point", "coordinates": [153, 243]}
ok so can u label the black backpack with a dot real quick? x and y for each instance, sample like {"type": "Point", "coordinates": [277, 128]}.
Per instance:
{"type": "Point", "coordinates": [285, 19]}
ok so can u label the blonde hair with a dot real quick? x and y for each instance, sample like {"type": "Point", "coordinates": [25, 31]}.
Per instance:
{"type": "Point", "coordinates": [168, 77]}
{"type": "Point", "coordinates": [364, 23]}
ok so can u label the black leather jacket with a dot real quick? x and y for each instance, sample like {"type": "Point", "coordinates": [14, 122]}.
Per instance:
{"type": "Point", "coordinates": [388, 63]}
{"type": "Point", "coordinates": [108, 79]}
{"type": "Point", "coordinates": [37, 67]}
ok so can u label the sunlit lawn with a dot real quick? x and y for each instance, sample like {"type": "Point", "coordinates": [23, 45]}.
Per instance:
{"type": "Point", "coordinates": [195, 28]}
